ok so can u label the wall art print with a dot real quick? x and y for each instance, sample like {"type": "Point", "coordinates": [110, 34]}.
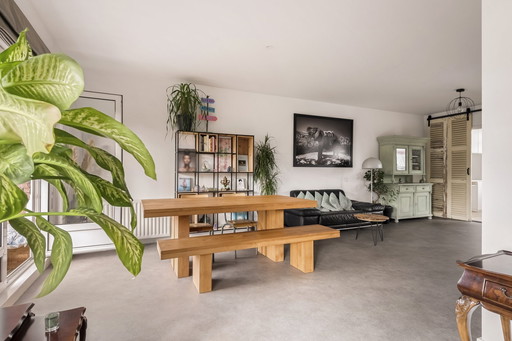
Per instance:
{"type": "Point", "coordinates": [321, 141]}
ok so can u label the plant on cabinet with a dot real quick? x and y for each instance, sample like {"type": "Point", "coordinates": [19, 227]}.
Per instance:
{"type": "Point", "coordinates": [183, 106]}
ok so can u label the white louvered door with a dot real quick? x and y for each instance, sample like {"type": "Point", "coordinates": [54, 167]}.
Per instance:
{"type": "Point", "coordinates": [459, 163]}
{"type": "Point", "coordinates": [437, 167]}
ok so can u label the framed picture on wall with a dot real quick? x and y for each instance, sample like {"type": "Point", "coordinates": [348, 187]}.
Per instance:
{"type": "Point", "coordinates": [322, 141]}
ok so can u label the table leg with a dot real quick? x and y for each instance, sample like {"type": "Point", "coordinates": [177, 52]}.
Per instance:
{"type": "Point", "coordinates": [180, 229]}
{"type": "Point", "coordinates": [464, 308]}
{"type": "Point", "coordinates": [505, 326]}
{"type": "Point", "coordinates": [268, 220]}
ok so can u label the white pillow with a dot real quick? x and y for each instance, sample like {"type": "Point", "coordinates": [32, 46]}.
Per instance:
{"type": "Point", "coordinates": [301, 195]}
{"type": "Point", "coordinates": [326, 203]}
{"type": "Point", "coordinates": [318, 198]}
{"type": "Point", "coordinates": [310, 196]}
{"type": "Point", "coordinates": [345, 203]}
{"type": "Point", "coordinates": [334, 201]}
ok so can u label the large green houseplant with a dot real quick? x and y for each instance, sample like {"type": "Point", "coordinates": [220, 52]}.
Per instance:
{"type": "Point", "coordinates": [183, 106]}
{"type": "Point", "coordinates": [266, 171]}
{"type": "Point", "coordinates": [36, 94]}
{"type": "Point", "coordinates": [384, 193]}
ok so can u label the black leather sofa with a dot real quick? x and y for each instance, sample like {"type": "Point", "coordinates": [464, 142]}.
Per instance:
{"type": "Point", "coordinates": [334, 219]}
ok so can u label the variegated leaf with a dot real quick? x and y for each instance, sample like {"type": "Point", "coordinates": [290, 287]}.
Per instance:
{"type": "Point", "coordinates": [128, 247]}
{"type": "Point", "coordinates": [103, 158]}
{"type": "Point", "coordinates": [112, 194]}
{"type": "Point", "coordinates": [62, 253]}
{"type": "Point", "coordinates": [85, 190]}
{"type": "Point", "coordinates": [27, 121]}
{"type": "Point", "coordinates": [12, 199]}
{"type": "Point", "coordinates": [96, 122]}
{"type": "Point", "coordinates": [15, 54]}
{"type": "Point", "coordinates": [53, 177]}
{"type": "Point", "coordinates": [35, 239]}
{"type": "Point", "coordinates": [15, 163]}
{"type": "Point", "coordinates": [52, 78]}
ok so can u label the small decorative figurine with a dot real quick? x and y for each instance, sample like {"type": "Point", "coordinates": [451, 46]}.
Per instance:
{"type": "Point", "coordinates": [225, 182]}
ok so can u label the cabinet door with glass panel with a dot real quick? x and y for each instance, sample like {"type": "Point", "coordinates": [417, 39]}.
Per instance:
{"type": "Point", "coordinates": [401, 160]}
{"type": "Point", "coordinates": [416, 160]}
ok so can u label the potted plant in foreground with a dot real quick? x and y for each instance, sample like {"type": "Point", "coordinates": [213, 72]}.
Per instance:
{"type": "Point", "coordinates": [183, 106]}
{"type": "Point", "coordinates": [35, 95]}
{"type": "Point", "coordinates": [265, 169]}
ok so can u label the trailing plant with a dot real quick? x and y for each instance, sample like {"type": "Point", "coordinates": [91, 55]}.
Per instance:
{"type": "Point", "coordinates": [35, 94]}
{"type": "Point", "coordinates": [384, 193]}
{"type": "Point", "coordinates": [266, 171]}
{"type": "Point", "coordinates": [183, 107]}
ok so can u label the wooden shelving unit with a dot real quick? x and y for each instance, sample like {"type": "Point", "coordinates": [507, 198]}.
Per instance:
{"type": "Point", "coordinates": [214, 163]}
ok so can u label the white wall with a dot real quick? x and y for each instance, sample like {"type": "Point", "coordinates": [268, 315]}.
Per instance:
{"type": "Point", "coordinates": [497, 122]}
{"type": "Point", "coordinates": [246, 113]}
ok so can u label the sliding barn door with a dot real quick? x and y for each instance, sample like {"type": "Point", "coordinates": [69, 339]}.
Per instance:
{"type": "Point", "coordinates": [459, 163]}
{"type": "Point", "coordinates": [437, 167]}
{"type": "Point", "coordinates": [449, 167]}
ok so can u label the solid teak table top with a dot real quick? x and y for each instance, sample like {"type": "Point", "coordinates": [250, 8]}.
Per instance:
{"type": "Point", "coordinates": [191, 206]}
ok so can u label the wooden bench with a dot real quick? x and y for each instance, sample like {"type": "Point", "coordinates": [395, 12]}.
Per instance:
{"type": "Point", "coordinates": [201, 248]}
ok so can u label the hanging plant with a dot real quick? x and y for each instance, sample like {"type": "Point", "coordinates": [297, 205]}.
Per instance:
{"type": "Point", "coordinates": [266, 171]}
{"type": "Point", "coordinates": [184, 106]}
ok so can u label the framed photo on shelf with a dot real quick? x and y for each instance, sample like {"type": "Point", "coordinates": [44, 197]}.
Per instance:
{"type": "Point", "coordinates": [186, 161]}
{"type": "Point", "coordinates": [242, 163]}
{"type": "Point", "coordinates": [322, 141]}
{"type": "Point", "coordinates": [184, 184]}
{"type": "Point", "coordinates": [205, 162]}
{"type": "Point", "coordinates": [241, 185]}
{"type": "Point", "coordinates": [187, 140]}
{"type": "Point", "coordinates": [224, 163]}
{"type": "Point", "coordinates": [225, 144]}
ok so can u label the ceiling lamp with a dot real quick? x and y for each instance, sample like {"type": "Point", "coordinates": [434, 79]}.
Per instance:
{"type": "Point", "coordinates": [460, 105]}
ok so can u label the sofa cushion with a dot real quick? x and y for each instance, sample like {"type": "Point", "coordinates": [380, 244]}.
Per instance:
{"type": "Point", "coordinates": [335, 201]}
{"type": "Point", "coordinates": [309, 196]}
{"type": "Point", "coordinates": [318, 198]}
{"type": "Point", "coordinates": [326, 204]}
{"type": "Point", "coordinates": [345, 202]}
{"type": "Point", "coordinates": [301, 195]}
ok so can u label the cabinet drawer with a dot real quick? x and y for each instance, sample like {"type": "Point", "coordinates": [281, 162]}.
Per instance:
{"type": "Point", "coordinates": [406, 189]}
{"type": "Point", "coordinates": [423, 188]}
{"type": "Point", "coordinates": [498, 293]}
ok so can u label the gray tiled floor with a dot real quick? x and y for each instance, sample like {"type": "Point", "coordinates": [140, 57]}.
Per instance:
{"type": "Point", "coordinates": [402, 289]}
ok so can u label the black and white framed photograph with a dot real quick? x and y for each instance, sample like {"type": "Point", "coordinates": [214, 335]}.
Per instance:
{"type": "Point", "coordinates": [322, 141]}
{"type": "Point", "coordinates": [241, 185]}
{"type": "Point", "coordinates": [242, 161]}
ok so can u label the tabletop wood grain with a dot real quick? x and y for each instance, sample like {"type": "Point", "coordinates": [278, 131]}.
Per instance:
{"type": "Point", "coordinates": [190, 206]}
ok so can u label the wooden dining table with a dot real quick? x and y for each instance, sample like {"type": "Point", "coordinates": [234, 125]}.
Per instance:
{"type": "Point", "coordinates": [270, 210]}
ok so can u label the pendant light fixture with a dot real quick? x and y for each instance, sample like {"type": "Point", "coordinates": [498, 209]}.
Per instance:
{"type": "Point", "coordinates": [460, 105]}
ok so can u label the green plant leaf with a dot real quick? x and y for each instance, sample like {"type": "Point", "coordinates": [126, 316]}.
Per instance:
{"type": "Point", "coordinates": [62, 253]}
{"type": "Point", "coordinates": [52, 78]}
{"type": "Point", "coordinates": [12, 199]}
{"type": "Point", "coordinates": [15, 54]}
{"type": "Point", "coordinates": [86, 192]}
{"type": "Point", "coordinates": [128, 247]}
{"type": "Point", "coordinates": [35, 239]}
{"type": "Point", "coordinates": [15, 163]}
{"type": "Point", "coordinates": [27, 121]}
{"type": "Point", "coordinates": [53, 177]}
{"type": "Point", "coordinates": [103, 158]}
{"type": "Point", "coordinates": [112, 194]}
{"type": "Point", "coordinates": [92, 120]}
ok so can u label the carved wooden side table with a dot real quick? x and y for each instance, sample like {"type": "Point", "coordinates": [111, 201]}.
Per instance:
{"type": "Point", "coordinates": [486, 281]}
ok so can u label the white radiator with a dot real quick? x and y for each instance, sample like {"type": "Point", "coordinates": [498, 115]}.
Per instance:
{"type": "Point", "coordinates": [146, 228]}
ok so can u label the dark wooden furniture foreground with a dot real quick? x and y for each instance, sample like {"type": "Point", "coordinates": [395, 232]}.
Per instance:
{"type": "Point", "coordinates": [12, 319]}
{"type": "Point", "coordinates": [201, 248]}
{"type": "Point", "coordinates": [270, 210]}
{"type": "Point", "coordinates": [486, 281]}
{"type": "Point", "coordinates": [72, 326]}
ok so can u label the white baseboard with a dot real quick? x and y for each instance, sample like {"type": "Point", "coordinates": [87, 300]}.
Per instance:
{"type": "Point", "coordinates": [479, 339]}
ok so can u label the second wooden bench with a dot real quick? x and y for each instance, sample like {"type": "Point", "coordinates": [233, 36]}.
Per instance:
{"type": "Point", "coordinates": [201, 248]}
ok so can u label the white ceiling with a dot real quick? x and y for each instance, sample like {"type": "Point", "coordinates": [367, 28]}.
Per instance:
{"type": "Point", "coordinates": [398, 55]}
